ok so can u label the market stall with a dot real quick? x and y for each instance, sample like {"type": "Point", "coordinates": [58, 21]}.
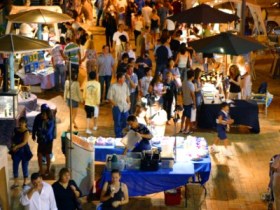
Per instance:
{"type": "Point", "coordinates": [243, 112]}
{"type": "Point", "coordinates": [44, 77]}
{"type": "Point", "coordinates": [173, 169]}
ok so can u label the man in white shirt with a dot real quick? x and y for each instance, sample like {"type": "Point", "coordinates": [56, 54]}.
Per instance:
{"type": "Point", "coordinates": [38, 195]}
{"type": "Point", "coordinates": [147, 12]}
{"type": "Point", "coordinates": [121, 3]}
{"type": "Point", "coordinates": [118, 45]}
{"type": "Point", "coordinates": [118, 95]}
{"type": "Point", "coordinates": [157, 118]}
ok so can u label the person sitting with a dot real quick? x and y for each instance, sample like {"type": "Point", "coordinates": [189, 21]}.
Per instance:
{"type": "Point", "coordinates": [114, 194]}
{"type": "Point", "coordinates": [142, 131]}
{"type": "Point", "coordinates": [66, 191]}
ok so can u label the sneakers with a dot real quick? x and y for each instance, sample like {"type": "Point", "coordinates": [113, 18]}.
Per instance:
{"type": "Point", "coordinates": [214, 149]}
{"type": "Point", "coordinates": [95, 128]}
{"type": "Point", "coordinates": [88, 131]}
{"type": "Point", "coordinates": [227, 153]}
{"type": "Point", "coordinates": [53, 159]}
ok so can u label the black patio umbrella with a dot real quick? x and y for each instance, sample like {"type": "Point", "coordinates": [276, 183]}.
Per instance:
{"type": "Point", "coordinates": [203, 13]}
{"type": "Point", "coordinates": [226, 43]}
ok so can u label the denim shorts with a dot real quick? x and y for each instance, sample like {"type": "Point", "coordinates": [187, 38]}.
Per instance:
{"type": "Point", "coordinates": [75, 104]}
{"type": "Point", "coordinates": [188, 111]}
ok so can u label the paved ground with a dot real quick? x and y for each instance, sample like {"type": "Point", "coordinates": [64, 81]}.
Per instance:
{"type": "Point", "coordinates": [235, 183]}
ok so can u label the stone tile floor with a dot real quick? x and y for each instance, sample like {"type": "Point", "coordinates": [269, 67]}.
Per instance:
{"type": "Point", "coordinates": [235, 183]}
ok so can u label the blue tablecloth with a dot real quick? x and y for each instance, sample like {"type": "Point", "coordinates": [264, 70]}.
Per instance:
{"type": "Point", "coordinates": [203, 167]}
{"type": "Point", "coordinates": [243, 112]}
{"type": "Point", "coordinates": [102, 152]}
{"type": "Point", "coordinates": [141, 183]}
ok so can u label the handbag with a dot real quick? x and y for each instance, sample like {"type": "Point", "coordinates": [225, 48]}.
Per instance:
{"type": "Point", "coordinates": [150, 162]}
{"type": "Point", "coordinates": [27, 152]}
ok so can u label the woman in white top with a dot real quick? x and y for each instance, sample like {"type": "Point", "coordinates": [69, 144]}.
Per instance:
{"type": "Point", "coordinates": [90, 56]}
{"type": "Point", "coordinates": [76, 96]}
{"type": "Point", "coordinates": [137, 24]}
{"type": "Point", "coordinates": [246, 81]}
{"type": "Point", "coordinates": [182, 60]}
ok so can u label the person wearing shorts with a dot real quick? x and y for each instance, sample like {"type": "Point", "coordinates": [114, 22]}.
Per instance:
{"type": "Point", "coordinates": [189, 102]}
{"type": "Point", "coordinates": [223, 123]}
{"type": "Point", "coordinates": [91, 95]}
{"type": "Point", "coordinates": [44, 132]}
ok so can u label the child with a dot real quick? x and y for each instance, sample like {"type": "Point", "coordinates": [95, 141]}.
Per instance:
{"type": "Point", "coordinates": [223, 122]}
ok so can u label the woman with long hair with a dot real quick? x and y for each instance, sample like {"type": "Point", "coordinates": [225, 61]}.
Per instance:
{"type": "Point", "coordinates": [235, 82]}
{"type": "Point", "coordinates": [156, 86]}
{"type": "Point", "coordinates": [19, 151]}
{"type": "Point", "coordinates": [114, 193]}
{"type": "Point", "coordinates": [246, 81]}
{"type": "Point", "coordinates": [182, 59]}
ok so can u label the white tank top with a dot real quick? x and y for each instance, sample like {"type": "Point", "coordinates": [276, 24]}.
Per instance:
{"type": "Point", "coordinates": [183, 60]}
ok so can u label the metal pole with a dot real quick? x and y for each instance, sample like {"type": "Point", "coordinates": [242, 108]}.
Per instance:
{"type": "Point", "coordinates": [70, 146]}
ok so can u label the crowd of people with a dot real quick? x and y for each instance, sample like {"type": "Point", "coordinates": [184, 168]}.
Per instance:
{"type": "Point", "coordinates": [144, 96]}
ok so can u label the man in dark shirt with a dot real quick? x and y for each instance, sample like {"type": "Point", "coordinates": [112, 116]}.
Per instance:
{"type": "Point", "coordinates": [123, 64]}
{"type": "Point", "coordinates": [142, 131]}
{"type": "Point", "coordinates": [161, 56]}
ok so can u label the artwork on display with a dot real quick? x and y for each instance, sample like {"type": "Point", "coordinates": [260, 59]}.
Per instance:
{"type": "Point", "coordinates": [33, 62]}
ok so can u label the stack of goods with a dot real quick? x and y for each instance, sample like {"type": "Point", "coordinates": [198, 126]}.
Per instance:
{"type": "Point", "coordinates": [195, 148]}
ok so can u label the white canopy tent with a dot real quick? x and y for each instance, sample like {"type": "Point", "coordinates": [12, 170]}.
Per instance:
{"type": "Point", "coordinates": [254, 8]}
{"type": "Point", "coordinates": [18, 9]}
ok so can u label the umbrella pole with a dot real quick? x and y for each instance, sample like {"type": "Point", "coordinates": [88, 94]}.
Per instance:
{"type": "Point", "coordinates": [11, 65]}
{"type": "Point", "coordinates": [69, 163]}
{"type": "Point", "coordinates": [40, 31]}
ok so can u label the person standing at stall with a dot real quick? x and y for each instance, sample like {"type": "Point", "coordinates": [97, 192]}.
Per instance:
{"type": "Point", "coordinates": [118, 96]}
{"type": "Point", "coordinates": [142, 131]}
{"type": "Point", "coordinates": [235, 83]}
{"type": "Point", "coordinates": [59, 66]}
